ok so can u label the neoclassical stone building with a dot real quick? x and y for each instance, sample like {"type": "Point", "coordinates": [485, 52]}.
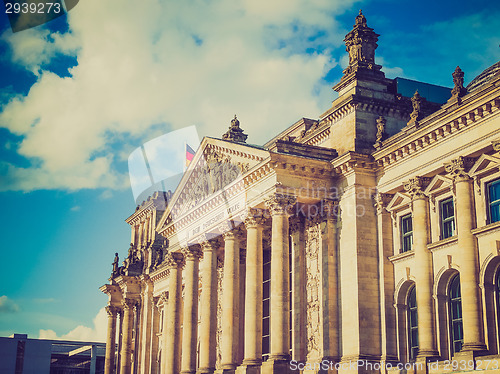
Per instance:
{"type": "Point", "coordinates": [351, 243]}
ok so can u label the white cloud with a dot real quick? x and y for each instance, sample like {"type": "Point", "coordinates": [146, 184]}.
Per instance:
{"type": "Point", "coordinates": [176, 63]}
{"type": "Point", "coordinates": [7, 305]}
{"type": "Point", "coordinates": [96, 333]}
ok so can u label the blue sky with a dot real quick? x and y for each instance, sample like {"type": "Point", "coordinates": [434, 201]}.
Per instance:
{"type": "Point", "coordinates": [80, 93]}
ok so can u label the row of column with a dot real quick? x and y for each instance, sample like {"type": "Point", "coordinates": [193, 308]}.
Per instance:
{"type": "Point", "coordinates": [179, 354]}
{"type": "Point", "coordinates": [279, 207]}
{"type": "Point", "coordinates": [468, 259]}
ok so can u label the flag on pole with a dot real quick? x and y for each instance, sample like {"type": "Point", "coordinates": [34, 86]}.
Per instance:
{"type": "Point", "coordinates": [189, 154]}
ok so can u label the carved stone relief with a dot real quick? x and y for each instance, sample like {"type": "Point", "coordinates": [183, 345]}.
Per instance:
{"type": "Point", "coordinates": [218, 339]}
{"type": "Point", "coordinates": [212, 176]}
{"type": "Point", "coordinates": [313, 282]}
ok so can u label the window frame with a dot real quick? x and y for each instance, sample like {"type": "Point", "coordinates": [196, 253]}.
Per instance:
{"type": "Point", "coordinates": [412, 345]}
{"type": "Point", "coordinates": [443, 221]}
{"type": "Point", "coordinates": [488, 200]}
{"type": "Point", "coordinates": [403, 234]}
{"type": "Point", "coordinates": [455, 321]}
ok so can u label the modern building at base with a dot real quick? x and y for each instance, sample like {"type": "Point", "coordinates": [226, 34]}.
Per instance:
{"type": "Point", "coordinates": [367, 240]}
{"type": "Point", "coordinates": [22, 355]}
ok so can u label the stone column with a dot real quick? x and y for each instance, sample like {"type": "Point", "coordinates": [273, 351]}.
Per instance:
{"type": "Point", "coordinates": [128, 324]}
{"type": "Point", "coordinates": [230, 301]}
{"type": "Point", "coordinates": [118, 359]}
{"type": "Point", "coordinates": [164, 322]}
{"type": "Point", "coordinates": [330, 288]}
{"type": "Point", "coordinates": [278, 362]}
{"type": "Point", "coordinates": [299, 317]}
{"type": "Point", "coordinates": [423, 269]}
{"type": "Point", "coordinates": [147, 313]}
{"type": "Point", "coordinates": [208, 304]}
{"type": "Point", "coordinates": [172, 318]}
{"type": "Point", "coordinates": [385, 244]}
{"type": "Point", "coordinates": [192, 255]}
{"type": "Point", "coordinates": [109, 360]}
{"type": "Point", "coordinates": [468, 256]}
{"type": "Point", "coordinates": [253, 294]}
{"type": "Point", "coordinates": [155, 329]}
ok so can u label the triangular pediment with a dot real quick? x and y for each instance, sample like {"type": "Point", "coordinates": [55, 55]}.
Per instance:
{"type": "Point", "coordinates": [438, 184]}
{"type": "Point", "coordinates": [400, 199]}
{"type": "Point", "coordinates": [217, 164]}
{"type": "Point", "coordinates": [484, 164]}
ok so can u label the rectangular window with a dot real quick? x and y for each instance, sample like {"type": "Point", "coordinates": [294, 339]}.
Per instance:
{"type": "Point", "coordinates": [447, 211]}
{"type": "Point", "coordinates": [406, 233]}
{"type": "Point", "coordinates": [494, 201]}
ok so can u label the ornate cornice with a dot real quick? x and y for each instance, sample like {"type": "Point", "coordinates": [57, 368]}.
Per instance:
{"type": "Point", "coordinates": [433, 128]}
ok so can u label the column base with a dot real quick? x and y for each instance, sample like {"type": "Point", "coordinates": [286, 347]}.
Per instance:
{"type": "Point", "coordinates": [276, 366]}
{"type": "Point", "coordinates": [188, 371]}
{"type": "Point", "coordinates": [205, 371]}
{"type": "Point", "coordinates": [226, 369]}
{"type": "Point", "coordinates": [249, 368]}
{"type": "Point", "coordinates": [474, 347]}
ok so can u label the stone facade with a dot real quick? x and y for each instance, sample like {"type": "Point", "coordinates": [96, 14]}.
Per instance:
{"type": "Point", "coordinates": [365, 241]}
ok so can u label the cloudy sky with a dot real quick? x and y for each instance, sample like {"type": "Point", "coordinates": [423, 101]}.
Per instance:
{"type": "Point", "coordinates": [80, 93]}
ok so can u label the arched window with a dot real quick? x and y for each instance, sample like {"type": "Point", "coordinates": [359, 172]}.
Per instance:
{"type": "Point", "coordinates": [457, 330]}
{"type": "Point", "coordinates": [497, 295]}
{"type": "Point", "coordinates": [412, 323]}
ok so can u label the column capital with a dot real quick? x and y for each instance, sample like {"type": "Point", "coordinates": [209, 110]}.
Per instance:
{"type": "Point", "coordinates": [128, 303]}
{"type": "Point", "coordinates": [210, 244]}
{"type": "Point", "coordinates": [193, 252]}
{"type": "Point", "coordinates": [112, 310]}
{"type": "Point", "coordinates": [456, 168]}
{"type": "Point", "coordinates": [280, 204]}
{"type": "Point", "coordinates": [381, 201]}
{"type": "Point", "coordinates": [254, 218]}
{"type": "Point", "coordinates": [229, 232]}
{"type": "Point", "coordinates": [163, 298]}
{"type": "Point", "coordinates": [174, 260]}
{"type": "Point", "coordinates": [296, 223]}
{"type": "Point", "coordinates": [496, 145]}
{"type": "Point", "coordinates": [415, 187]}
{"type": "Point", "coordinates": [330, 208]}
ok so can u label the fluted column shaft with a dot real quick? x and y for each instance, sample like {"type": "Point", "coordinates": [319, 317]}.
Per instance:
{"type": "Point", "coordinates": [109, 359]}
{"type": "Point", "coordinates": [253, 292]}
{"type": "Point", "coordinates": [469, 267]}
{"type": "Point", "coordinates": [423, 268]}
{"type": "Point", "coordinates": [172, 347]}
{"type": "Point", "coordinates": [128, 323]}
{"type": "Point", "coordinates": [208, 303]}
{"type": "Point", "coordinates": [279, 207]}
{"type": "Point", "coordinates": [190, 320]}
{"type": "Point", "coordinates": [423, 262]}
{"type": "Point", "coordinates": [230, 301]}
